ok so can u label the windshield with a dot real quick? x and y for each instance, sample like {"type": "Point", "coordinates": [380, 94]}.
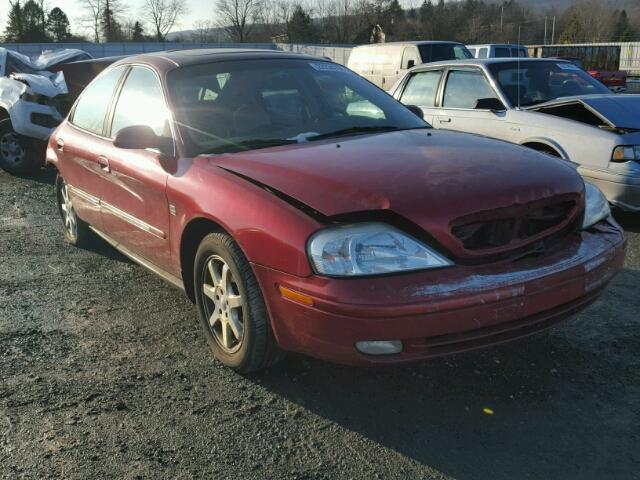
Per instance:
{"type": "Point", "coordinates": [436, 52]}
{"type": "Point", "coordinates": [529, 83]}
{"type": "Point", "coordinates": [231, 106]}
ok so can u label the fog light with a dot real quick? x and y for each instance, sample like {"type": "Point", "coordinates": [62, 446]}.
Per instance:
{"type": "Point", "coordinates": [380, 347]}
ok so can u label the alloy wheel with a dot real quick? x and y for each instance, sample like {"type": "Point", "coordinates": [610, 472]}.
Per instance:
{"type": "Point", "coordinates": [223, 304]}
{"type": "Point", "coordinates": [69, 217]}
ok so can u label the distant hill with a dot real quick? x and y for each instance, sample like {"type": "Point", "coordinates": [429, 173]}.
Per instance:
{"type": "Point", "coordinates": [562, 4]}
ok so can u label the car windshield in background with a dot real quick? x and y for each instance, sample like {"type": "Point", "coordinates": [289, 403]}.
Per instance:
{"type": "Point", "coordinates": [531, 82]}
{"type": "Point", "coordinates": [231, 106]}
{"type": "Point", "coordinates": [437, 52]}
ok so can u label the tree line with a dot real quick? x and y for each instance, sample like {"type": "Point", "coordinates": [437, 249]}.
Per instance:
{"type": "Point", "coordinates": [329, 21]}
{"type": "Point", "coordinates": [105, 20]}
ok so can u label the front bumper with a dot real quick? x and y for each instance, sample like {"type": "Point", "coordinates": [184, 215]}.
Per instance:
{"type": "Point", "coordinates": [621, 185]}
{"type": "Point", "coordinates": [21, 119]}
{"type": "Point", "coordinates": [443, 311]}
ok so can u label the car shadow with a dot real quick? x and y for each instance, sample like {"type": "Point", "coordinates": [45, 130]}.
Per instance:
{"type": "Point", "coordinates": [45, 176]}
{"type": "Point", "coordinates": [99, 246]}
{"type": "Point", "coordinates": [542, 407]}
{"type": "Point", "coordinates": [630, 221]}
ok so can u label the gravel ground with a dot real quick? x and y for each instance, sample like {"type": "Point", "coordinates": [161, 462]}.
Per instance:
{"type": "Point", "coordinates": [105, 374]}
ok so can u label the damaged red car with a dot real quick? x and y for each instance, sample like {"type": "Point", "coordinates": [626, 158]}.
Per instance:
{"type": "Point", "coordinates": [303, 209]}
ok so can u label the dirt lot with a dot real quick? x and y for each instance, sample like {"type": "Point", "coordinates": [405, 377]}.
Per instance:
{"type": "Point", "coordinates": [105, 374]}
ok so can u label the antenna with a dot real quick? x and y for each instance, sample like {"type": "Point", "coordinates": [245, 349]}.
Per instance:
{"type": "Point", "coordinates": [518, 66]}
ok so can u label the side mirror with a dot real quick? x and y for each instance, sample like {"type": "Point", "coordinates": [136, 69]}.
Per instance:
{"type": "Point", "coordinates": [492, 104]}
{"type": "Point", "coordinates": [411, 63]}
{"type": "Point", "coordinates": [416, 110]}
{"type": "Point", "coordinates": [137, 137]}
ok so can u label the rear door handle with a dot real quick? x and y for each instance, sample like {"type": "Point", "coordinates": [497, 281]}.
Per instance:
{"type": "Point", "coordinates": [60, 144]}
{"type": "Point", "coordinates": [104, 163]}
{"type": "Point", "coordinates": [444, 120]}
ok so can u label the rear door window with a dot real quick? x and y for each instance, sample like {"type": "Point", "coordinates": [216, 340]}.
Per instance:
{"type": "Point", "coordinates": [502, 52]}
{"type": "Point", "coordinates": [422, 88]}
{"type": "Point", "coordinates": [465, 87]}
{"type": "Point", "coordinates": [91, 109]}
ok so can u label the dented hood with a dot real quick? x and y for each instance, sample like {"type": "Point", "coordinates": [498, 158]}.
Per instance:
{"type": "Point", "coordinates": [428, 177]}
{"type": "Point", "coordinates": [619, 111]}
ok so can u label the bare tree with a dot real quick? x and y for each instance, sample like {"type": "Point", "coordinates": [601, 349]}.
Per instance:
{"type": "Point", "coordinates": [237, 17]}
{"type": "Point", "coordinates": [204, 31]}
{"type": "Point", "coordinates": [164, 14]}
{"type": "Point", "coordinates": [94, 14]}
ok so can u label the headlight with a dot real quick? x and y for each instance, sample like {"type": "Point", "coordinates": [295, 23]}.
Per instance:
{"type": "Point", "coordinates": [626, 153]}
{"type": "Point", "coordinates": [369, 249]}
{"type": "Point", "coordinates": [596, 206]}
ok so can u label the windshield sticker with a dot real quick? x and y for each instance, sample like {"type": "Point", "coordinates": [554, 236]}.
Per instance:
{"type": "Point", "coordinates": [568, 66]}
{"type": "Point", "coordinates": [327, 67]}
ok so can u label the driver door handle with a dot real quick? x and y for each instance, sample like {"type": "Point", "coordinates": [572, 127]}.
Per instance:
{"type": "Point", "coordinates": [104, 163]}
{"type": "Point", "coordinates": [445, 120]}
{"type": "Point", "coordinates": [60, 144]}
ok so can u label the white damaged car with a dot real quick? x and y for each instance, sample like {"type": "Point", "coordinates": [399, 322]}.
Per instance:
{"type": "Point", "coordinates": [548, 105]}
{"type": "Point", "coordinates": [30, 91]}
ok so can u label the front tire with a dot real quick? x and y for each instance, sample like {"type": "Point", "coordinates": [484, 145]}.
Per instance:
{"type": "Point", "coordinates": [231, 306]}
{"type": "Point", "coordinates": [19, 154]}
{"type": "Point", "coordinates": [76, 232]}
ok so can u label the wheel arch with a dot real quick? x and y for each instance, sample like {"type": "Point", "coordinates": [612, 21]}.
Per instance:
{"type": "Point", "coordinates": [194, 231]}
{"type": "Point", "coordinates": [545, 145]}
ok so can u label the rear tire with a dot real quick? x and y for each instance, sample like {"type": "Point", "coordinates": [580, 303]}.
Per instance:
{"type": "Point", "coordinates": [231, 306]}
{"type": "Point", "coordinates": [19, 154]}
{"type": "Point", "coordinates": [76, 232]}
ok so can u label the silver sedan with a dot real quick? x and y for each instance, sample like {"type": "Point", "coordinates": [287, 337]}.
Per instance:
{"type": "Point", "coordinates": [548, 105]}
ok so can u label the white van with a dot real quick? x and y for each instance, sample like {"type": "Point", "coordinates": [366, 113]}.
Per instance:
{"type": "Point", "coordinates": [498, 50]}
{"type": "Point", "coordinates": [384, 63]}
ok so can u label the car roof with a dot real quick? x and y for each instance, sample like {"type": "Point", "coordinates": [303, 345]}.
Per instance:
{"type": "Point", "coordinates": [419, 42]}
{"type": "Point", "coordinates": [484, 61]}
{"type": "Point", "coordinates": [511, 45]}
{"type": "Point", "coordinates": [171, 59]}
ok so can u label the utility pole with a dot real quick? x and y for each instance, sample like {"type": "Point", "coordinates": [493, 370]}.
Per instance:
{"type": "Point", "coordinates": [545, 30]}
{"type": "Point", "coordinates": [501, 17]}
{"type": "Point", "coordinates": [553, 31]}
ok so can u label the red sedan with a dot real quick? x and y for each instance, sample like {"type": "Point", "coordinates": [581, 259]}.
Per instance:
{"type": "Point", "coordinates": [303, 209]}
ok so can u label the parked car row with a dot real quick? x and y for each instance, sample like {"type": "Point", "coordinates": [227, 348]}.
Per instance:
{"type": "Point", "coordinates": [301, 208]}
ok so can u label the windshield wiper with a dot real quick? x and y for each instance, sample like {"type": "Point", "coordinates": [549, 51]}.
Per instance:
{"type": "Point", "coordinates": [253, 144]}
{"type": "Point", "coordinates": [354, 130]}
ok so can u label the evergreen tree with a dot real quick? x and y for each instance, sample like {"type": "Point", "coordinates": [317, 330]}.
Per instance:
{"type": "Point", "coordinates": [622, 32]}
{"type": "Point", "coordinates": [138, 32]}
{"type": "Point", "coordinates": [573, 31]}
{"type": "Point", "coordinates": [58, 25]}
{"type": "Point", "coordinates": [34, 23]}
{"type": "Point", "coordinates": [14, 31]}
{"type": "Point", "coordinates": [299, 27]}
{"type": "Point", "coordinates": [111, 29]}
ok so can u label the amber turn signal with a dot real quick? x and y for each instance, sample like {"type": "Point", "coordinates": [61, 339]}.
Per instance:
{"type": "Point", "coordinates": [295, 296]}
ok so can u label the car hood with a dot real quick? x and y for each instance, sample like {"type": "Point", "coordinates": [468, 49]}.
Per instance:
{"type": "Point", "coordinates": [428, 177]}
{"type": "Point", "coordinates": [619, 111]}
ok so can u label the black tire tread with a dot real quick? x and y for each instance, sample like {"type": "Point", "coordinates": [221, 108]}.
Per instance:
{"type": "Point", "coordinates": [265, 351]}
{"type": "Point", "coordinates": [34, 153]}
